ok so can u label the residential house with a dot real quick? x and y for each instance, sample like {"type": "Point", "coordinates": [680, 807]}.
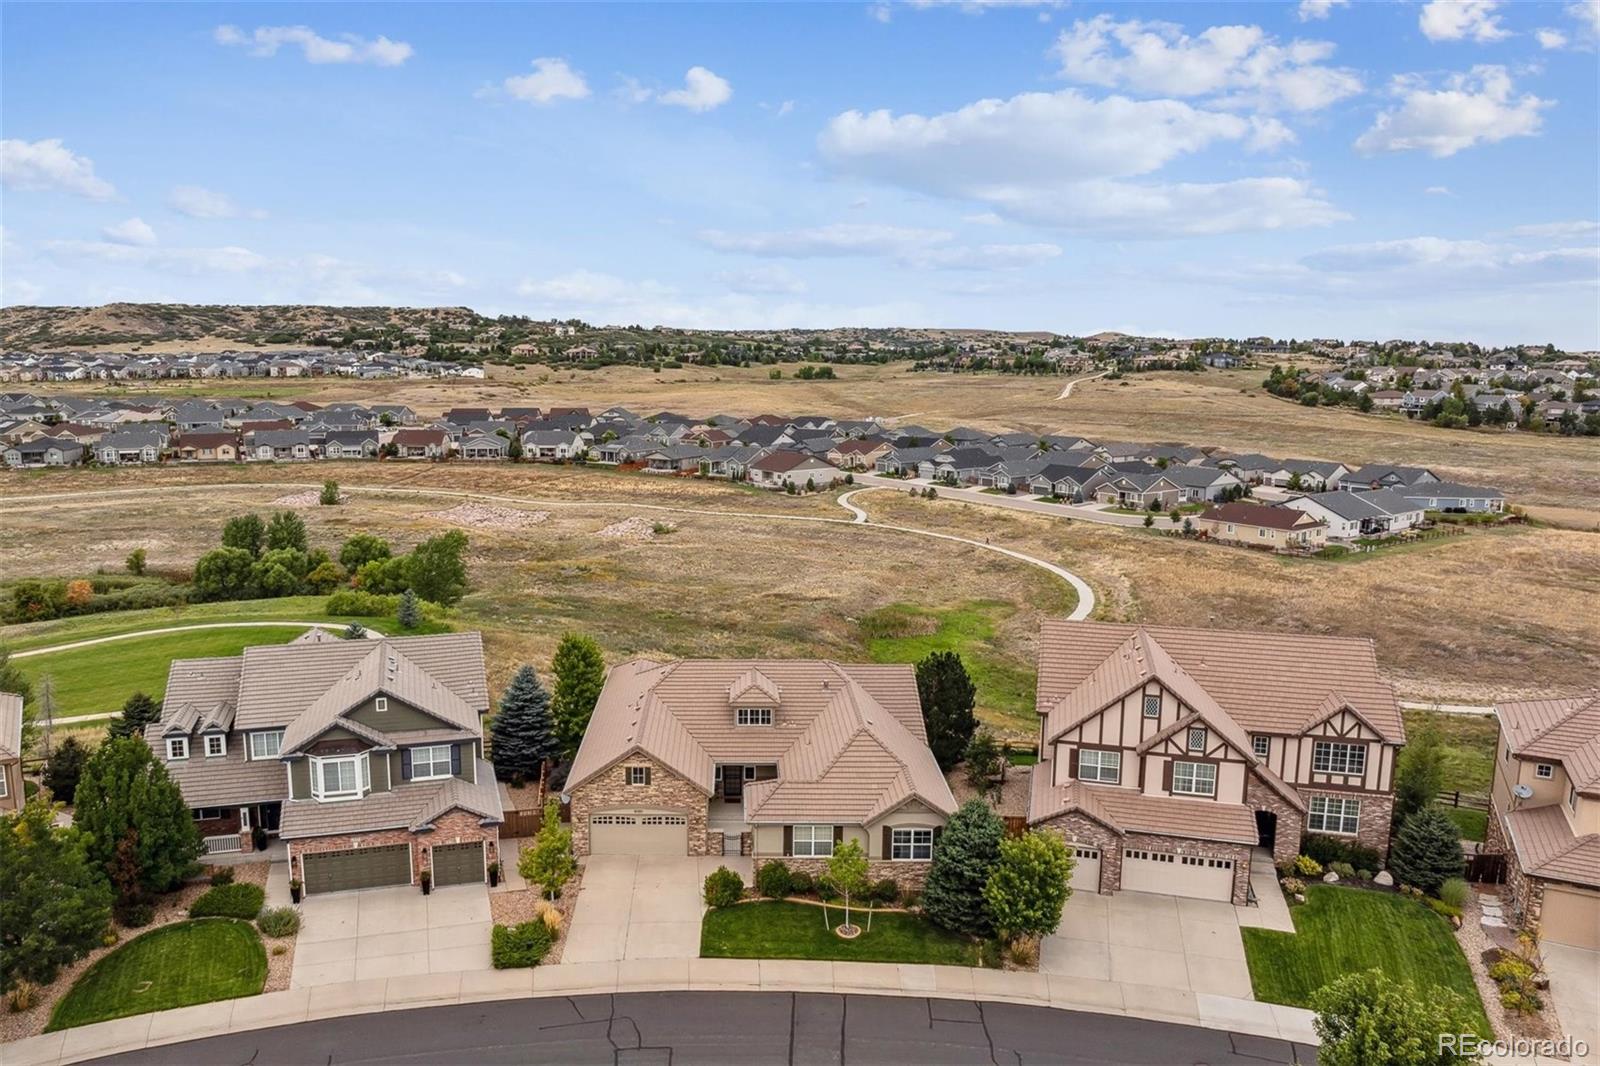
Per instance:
{"type": "Point", "coordinates": [272, 445]}
{"type": "Point", "coordinates": [220, 446]}
{"type": "Point", "coordinates": [350, 444]}
{"type": "Point", "coordinates": [961, 465]}
{"type": "Point", "coordinates": [773, 759]}
{"type": "Point", "coordinates": [674, 459]}
{"type": "Point", "coordinates": [1165, 763]}
{"type": "Point", "coordinates": [1545, 815]}
{"type": "Point", "coordinates": [144, 445]}
{"type": "Point", "coordinates": [420, 443]}
{"type": "Point", "coordinates": [906, 459]}
{"type": "Point", "coordinates": [366, 756]}
{"type": "Point", "coordinates": [859, 453]}
{"type": "Point", "coordinates": [1062, 481]}
{"type": "Point", "coordinates": [552, 445]}
{"type": "Point", "coordinates": [44, 451]}
{"type": "Point", "coordinates": [12, 795]}
{"type": "Point", "coordinates": [786, 466]}
{"type": "Point", "coordinates": [1350, 515]}
{"type": "Point", "coordinates": [1142, 491]}
{"type": "Point", "coordinates": [1383, 476]}
{"type": "Point", "coordinates": [1258, 526]}
{"type": "Point", "coordinates": [485, 446]}
{"type": "Point", "coordinates": [1201, 484]}
{"type": "Point", "coordinates": [1307, 475]}
{"type": "Point", "coordinates": [1452, 498]}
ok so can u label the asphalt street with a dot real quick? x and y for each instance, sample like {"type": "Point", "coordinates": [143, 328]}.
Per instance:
{"type": "Point", "coordinates": [677, 1028]}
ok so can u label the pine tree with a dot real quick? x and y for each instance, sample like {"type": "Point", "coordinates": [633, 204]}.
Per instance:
{"type": "Point", "coordinates": [580, 671]}
{"type": "Point", "coordinates": [65, 769]}
{"type": "Point", "coordinates": [948, 696]}
{"type": "Point", "coordinates": [54, 903]}
{"type": "Point", "coordinates": [1427, 850]}
{"type": "Point", "coordinates": [124, 788]}
{"type": "Point", "coordinates": [523, 735]}
{"type": "Point", "coordinates": [137, 712]}
{"type": "Point", "coordinates": [967, 853]}
{"type": "Point", "coordinates": [410, 614]}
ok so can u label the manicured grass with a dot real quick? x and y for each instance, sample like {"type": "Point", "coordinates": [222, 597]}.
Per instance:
{"type": "Point", "coordinates": [1469, 747]}
{"type": "Point", "coordinates": [1342, 930]}
{"type": "Point", "coordinates": [174, 966]}
{"type": "Point", "coordinates": [1474, 824]}
{"type": "Point", "coordinates": [89, 626]}
{"type": "Point", "coordinates": [775, 929]}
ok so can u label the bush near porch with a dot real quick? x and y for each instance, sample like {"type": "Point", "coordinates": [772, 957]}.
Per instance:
{"type": "Point", "coordinates": [779, 929]}
{"type": "Point", "coordinates": [1346, 930]}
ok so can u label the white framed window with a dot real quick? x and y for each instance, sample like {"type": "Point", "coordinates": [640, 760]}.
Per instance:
{"type": "Point", "coordinates": [911, 844]}
{"type": "Point", "coordinates": [430, 762]}
{"type": "Point", "coordinates": [1197, 738]}
{"type": "Point", "coordinates": [1194, 779]}
{"type": "Point", "coordinates": [381, 703]}
{"type": "Point", "coordinates": [753, 716]}
{"type": "Point", "coordinates": [1328, 815]}
{"type": "Point", "coordinates": [5, 784]}
{"type": "Point", "coordinates": [813, 841]}
{"type": "Point", "coordinates": [1331, 757]}
{"type": "Point", "coordinates": [1099, 765]}
{"type": "Point", "coordinates": [345, 777]}
{"type": "Point", "coordinates": [177, 747]}
{"type": "Point", "coordinates": [638, 775]}
{"type": "Point", "coordinates": [216, 745]}
{"type": "Point", "coordinates": [1152, 706]}
{"type": "Point", "coordinates": [206, 814]}
{"type": "Point", "coordinates": [1544, 771]}
{"type": "Point", "coordinates": [266, 745]}
{"type": "Point", "coordinates": [1261, 745]}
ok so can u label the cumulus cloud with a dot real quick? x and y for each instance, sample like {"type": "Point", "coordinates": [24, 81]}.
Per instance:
{"type": "Point", "coordinates": [1474, 108]}
{"type": "Point", "coordinates": [135, 231]}
{"type": "Point", "coordinates": [1458, 20]}
{"type": "Point", "coordinates": [265, 41]}
{"type": "Point", "coordinates": [1319, 9]}
{"type": "Point", "coordinates": [552, 79]}
{"type": "Point", "coordinates": [199, 202]}
{"type": "Point", "coordinates": [702, 91]}
{"type": "Point", "coordinates": [1550, 39]}
{"type": "Point", "coordinates": [50, 165]}
{"type": "Point", "coordinates": [1242, 65]}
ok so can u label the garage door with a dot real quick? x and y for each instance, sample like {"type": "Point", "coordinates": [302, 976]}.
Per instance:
{"type": "Point", "coordinates": [638, 833]}
{"type": "Point", "coordinates": [335, 871]}
{"type": "Point", "coordinates": [458, 864]}
{"type": "Point", "coordinates": [1570, 917]}
{"type": "Point", "coordinates": [1085, 869]}
{"type": "Point", "coordinates": [1177, 875]}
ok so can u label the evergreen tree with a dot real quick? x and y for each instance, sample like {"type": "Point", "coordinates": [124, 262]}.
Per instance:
{"type": "Point", "coordinates": [1419, 774]}
{"type": "Point", "coordinates": [947, 695]}
{"type": "Point", "coordinates": [138, 711]}
{"type": "Point", "coordinates": [523, 735]}
{"type": "Point", "coordinates": [1427, 850]}
{"type": "Point", "coordinates": [12, 679]}
{"type": "Point", "coordinates": [62, 773]}
{"type": "Point", "coordinates": [244, 532]}
{"type": "Point", "coordinates": [410, 614]}
{"type": "Point", "coordinates": [355, 631]}
{"type": "Point", "coordinates": [967, 853]}
{"type": "Point", "coordinates": [123, 789]}
{"type": "Point", "coordinates": [580, 671]}
{"type": "Point", "coordinates": [54, 903]}
{"type": "Point", "coordinates": [286, 530]}
{"type": "Point", "coordinates": [329, 496]}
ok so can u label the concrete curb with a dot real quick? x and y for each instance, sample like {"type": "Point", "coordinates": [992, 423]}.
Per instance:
{"type": "Point", "coordinates": [663, 975]}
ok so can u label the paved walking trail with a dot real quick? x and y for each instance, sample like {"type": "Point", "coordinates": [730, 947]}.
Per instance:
{"type": "Point", "coordinates": [179, 629]}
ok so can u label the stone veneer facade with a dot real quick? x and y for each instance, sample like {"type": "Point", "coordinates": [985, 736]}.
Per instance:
{"type": "Point", "coordinates": [1527, 893]}
{"type": "Point", "coordinates": [609, 790]}
{"type": "Point", "coordinates": [910, 875]}
{"type": "Point", "coordinates": [1377, 817]}
{"type": "Point", "coordinates": [1084, 830]}
{"type": "Point", "coordinates": [1291, 823]}
{"type": "Point", "coordinates": [456, 827]}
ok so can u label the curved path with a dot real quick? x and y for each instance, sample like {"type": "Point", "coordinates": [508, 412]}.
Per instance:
{"type": "Point", "coordinates": [182, 629]}
{"type": "Point", "coordinates": [1086, 597]}
{"type": "Point", "coordinates": [1067, 392]}
{"type": "Point", "coordinates": [725, 1027]}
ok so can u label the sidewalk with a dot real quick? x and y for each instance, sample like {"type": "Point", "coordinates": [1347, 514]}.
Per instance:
{"type": "Point", "coordinates": [662, 975]}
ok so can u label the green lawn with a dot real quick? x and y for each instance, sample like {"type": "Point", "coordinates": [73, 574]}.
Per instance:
{"type": "Point", "coordinates": [1342, 930]}
{"type": "Point", "coordinates": [174, 966]}
{"type": "Point", "coordinates": [1469, 747]}
{"type": "Point", "coordinates": [1474, 825]}
{"type": "Point", "coordinates": [780, 930]}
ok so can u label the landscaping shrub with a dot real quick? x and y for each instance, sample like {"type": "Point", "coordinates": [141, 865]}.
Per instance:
{"type": "Point", "coordinates": [361, 602]}
{"type": "Point", "coordinates": [773, 880]}
{"type": "Point", "coordinates": [1294, 886]}
{"type": "Point", "coordinates": [723, 888]}
{"type": "Point", "coordinates": [801, 883]}
{"type": "Point", "coordinates": [279, 921]}
{"type": "Point", "coordinates": [885, 891]}
{"type": "Point", "coordinates": [968, 851]}
{"type": "Point", "coordinates": [1364, 875]}
{"type": "Point", "coordinates": [1306, 866]}
{"type": "Point", "coordinates": [1343, 869]}
{"type": "Point", "coordinates": [1454, 892]}
{"type": "Point", "coordinates": [1328, 850]}
{"type": "Point", "coordinates": [1517, 990]}
{"type": "Point", "coordinates": [514, 946]}
{"type": "Point", "coordinates": [1443, 909]}
{"type": "Point", "coordinates": [222, 875]}
{"type": "Point", "coordinates": [24, 995]}
{"type": "Point", "coordinates": [134, 915]}
{"type": "Point", "coordinates": [238, 900]}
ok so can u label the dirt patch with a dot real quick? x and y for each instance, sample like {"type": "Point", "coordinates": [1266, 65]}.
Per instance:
{"type": "Point", "coordinates": [308, 498]}
{"type": "Point", "coordinates": [487, 516]}
{"type": "Point", "coordinates": [634, 528]}
{"type": "Point", "coordinates": [1477, 942]}
{"type": "Point", "coordinates": [1009, 800]}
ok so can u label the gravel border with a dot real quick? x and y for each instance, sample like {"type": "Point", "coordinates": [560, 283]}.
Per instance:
{"type": "Point", "coordinates": [1475, 940]}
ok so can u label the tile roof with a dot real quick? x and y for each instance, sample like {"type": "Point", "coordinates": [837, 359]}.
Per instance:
{"type": "Point", "coordinates": [1126, 810]}
{"type": "Point", "coordinates": [384, 669]}
{"type": "Point", "coordinates": [1547, 847]}
{"type": "Point", "coordinates": [1255, 514]}
{"type": "Point", "coordinates": [1567, 730]}
{"type": "Point", "coordinates": [225, 781]}
{"type": "Point", "coordinates": [413, 806]}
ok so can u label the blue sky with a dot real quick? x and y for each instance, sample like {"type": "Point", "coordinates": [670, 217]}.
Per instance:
{"type": "Point", "coordinates": [1314, 169]}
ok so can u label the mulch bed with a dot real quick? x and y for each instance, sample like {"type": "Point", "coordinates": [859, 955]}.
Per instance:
{"type": "Point", "coordinates": [1476, 943]}
{"type": "Point", "coordinates": [514, 908]}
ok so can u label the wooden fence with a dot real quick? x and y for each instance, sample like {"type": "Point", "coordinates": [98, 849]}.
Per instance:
{"type": "Point", "coordinates": [526, 823]}
{"type": "Point", "coordinates": [1464, 800]}
{"type": "Point", "coordinates": [1486, 869]}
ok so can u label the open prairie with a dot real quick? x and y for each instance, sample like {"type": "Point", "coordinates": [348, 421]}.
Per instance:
{"type": "Point", "coordinates": [1226, 409]}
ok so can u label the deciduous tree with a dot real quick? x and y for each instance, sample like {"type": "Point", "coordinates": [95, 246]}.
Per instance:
{"type": "Point", "coordinates": [1420, 773]}
{"type": "Point", "coordinates": [1366, 1019]}
{"type": "Point", "coordinates": [1029, 885]}
{"type": "Point", "coordinates": [580, 671]}
{"type": "Point", "coordinates": [436, 569]}
{"type": "Point", "coordinates": [245, 532]}
{"type": "Point", "coordinates": [286, 530]}
{"type": "Point", "coordinates": [361, 549]}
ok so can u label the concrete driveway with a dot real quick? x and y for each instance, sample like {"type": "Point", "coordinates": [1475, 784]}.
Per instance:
{"type": "Point", "coordinates": [1575, 989]}
{"type": "Point", "coordinates": [641, 907]}
{"type": "Point", "coordinates": [391, 932]}
{"type": "Point", "coordinates": [1192, 945]}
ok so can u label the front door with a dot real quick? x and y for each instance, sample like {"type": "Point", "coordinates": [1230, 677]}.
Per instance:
{"type": "Point", "coordinates": [733, 783]}
{"type": "Point", "coordinates": [1266, 829]}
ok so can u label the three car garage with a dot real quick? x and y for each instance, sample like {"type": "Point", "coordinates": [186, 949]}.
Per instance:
{"type": "Point", "coordinates": [638, 832]}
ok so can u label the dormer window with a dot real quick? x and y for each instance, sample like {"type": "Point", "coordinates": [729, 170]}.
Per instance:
{"type": "Point", "coordinates": [177, 747]}
{"type": "Point", "coordinates": [216, 745]}
{"type": "Point", "coordinates": [753, 716]}
{"type": "Point", "coordinates": [1197, 738]}
{"type": "Point", "coordinates": [1152, 706]}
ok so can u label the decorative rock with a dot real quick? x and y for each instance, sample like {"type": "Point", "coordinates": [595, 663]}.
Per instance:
{"type": "Point", "coordinates": [1492, 923]}
{"type": "Point", "coordinates": [1299, 897]}
{"type": "Point", "coordinates": [1330, 877]}
{"type": "Point", "coordinates": [1384, 878]}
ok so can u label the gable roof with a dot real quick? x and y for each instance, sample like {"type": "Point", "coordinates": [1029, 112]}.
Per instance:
{"type": "Point", "coordinates": [383, 670]}
{"type": "Point", "coordinates": [1564, 730]}
{"type": "Point", "coordinates": [1547, 847]}
{"type": "Point", "coordinates": [1255, 514]}
{"type": "Point", "coordinates": [1126, 811]}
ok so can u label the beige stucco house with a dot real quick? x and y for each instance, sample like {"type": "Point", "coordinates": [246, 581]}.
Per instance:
{"type": "Point", "coordinates": [1545, 815]}
{"type": "Point", "coordinates": [1255, 526]}
{"type": "Point", "coordinates": [767, 758]}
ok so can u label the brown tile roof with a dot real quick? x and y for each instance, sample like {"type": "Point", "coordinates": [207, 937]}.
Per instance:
{"type": "Point", "coordinates": [412, 806]}
{"type": "Point", "coordinates": [848, 740]}
{"type": "Point", "coordinates": [1566, 730]}
{"type": "Point", "coordinates": [419, 437]}
{"type": "Point", "coordinates": [1255, 514]}
{"type": "Point", "coordinates": [1265, 682]}
{"type": "Point", "coordinates": [1547, 847]}
{"type": "Point", "coordinates": [10, 725]}
{"type": "Point", "coordinates": [384, 669]}
{"type": "Point", "coordinates": [227, 780]}
{"type": "Point", "coordinates": [1126, 810]}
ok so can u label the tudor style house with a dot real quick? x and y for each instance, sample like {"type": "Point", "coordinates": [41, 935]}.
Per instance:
{"type": "Point", "coordinates": [365, 756]}
{"type": "Point", "coordinates": [771, 759]}
{"type": "Point", "coordinates": [1169, 755]}
{"type": "Point", "coordinates": [1545, 815]}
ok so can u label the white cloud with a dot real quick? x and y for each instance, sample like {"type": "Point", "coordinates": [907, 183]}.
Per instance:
{"type": "Point", "coordinates": [839, 239]}
{"type": "Point", "coordinates": [16, 292]}
{"type": "Point", "coordinates": [985, 257]}
{"type": "Point", "coordinates": [1060, 158]}
{"type": "Point", "coordinates": [264, 41]}
{"type": "Point", "coordinates": [984, 218]}
{"type": "Point", "coordinates": [552, 79]}
{"type": "Point", "coordinates": [762, 279]}
{"type": "Point", "coordinates": [50, 165]}
{"type": "Point", "coordinates": [1577, 228]}
{"type": "Point", "coordinates": [134, 231]}
{"type": "Point", "coordinates": [978, 7]}
{"type": "Point", "coordinates": [785, 108]}
{"type": "Point", "coordinates": [1235, 64]}
{"type": "Point", "coordinates": [1456, 20]}
{"type": "Point", "coordinates": [1438, 190]}
{"type": "Point", "coordinates": [1473, 108]}
{"type": "Point", "coordinates": [186, 261]}
{"type": "Point", "coordinates": [199, 202]}
{"type": "Point", "coordinates": [1436, 263]}
{"type": "Point", "coordinates": [1550, 40]}
{"type": "Point", "coordinates": [1587, 12]}
{"type": "Point", "coordinates": [1319, 9]}
{"type": "Point", "coordinates": [702, 91]}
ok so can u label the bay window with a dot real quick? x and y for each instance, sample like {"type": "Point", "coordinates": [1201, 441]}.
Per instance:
{"type": "Point", "coordinates": [1194, 779]}
{"type": "Point", "coordinates": [344, 777]}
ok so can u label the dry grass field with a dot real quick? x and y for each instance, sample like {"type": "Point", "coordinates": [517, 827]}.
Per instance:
{"type": "Point", "coordinates": [1223, 408]}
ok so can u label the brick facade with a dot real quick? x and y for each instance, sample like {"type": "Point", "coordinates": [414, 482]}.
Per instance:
{"type": "Point", "coordinates": [1076, 827]}
{"type": "Point", "coordinates": [1291, 823]}
{"type": "Point", "coordinates": [457, 827]}
{"type": "Point", "coordinates": [227, 825]}
{"type": "Point", "coordinates": [609, 790]}
{"type": "Point", "coordinates": [1377, 817]}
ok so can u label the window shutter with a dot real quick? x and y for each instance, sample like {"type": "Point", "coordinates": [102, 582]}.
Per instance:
{"type": "Point", "coordinates": [647, 771]}
{"type": "Point", "coordinates": [788, 840]}
{"type": "Point", "coordinates": [938, 831]}
{"type": "Point", "coordinates": [1072, 764]}
{"type": "Point", "coordinates": [838, 834]}
{"type": "Point", "coordinates": [1166, 776]}
{"type": "Point", "coordinates": [405, 764]}
{"type": "Point", "coordinates": [455, 759]}
{"type": "Point", "coordinates": [888, 843]}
